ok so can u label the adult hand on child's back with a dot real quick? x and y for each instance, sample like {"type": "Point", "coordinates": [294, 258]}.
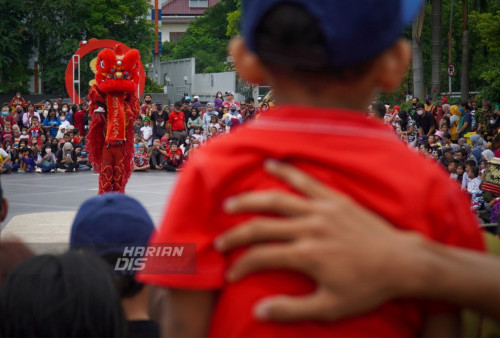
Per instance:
{"type": "Point", "coordinates": [355, 257]}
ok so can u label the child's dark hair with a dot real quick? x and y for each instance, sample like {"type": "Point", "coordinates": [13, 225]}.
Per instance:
{"type": "Point", "coordinates": [471, 163]}
{"type": "Point", "coordinates": [290, 38]}
{"type": "Point", "coordinates": [474, 171]}
{"type": "Point", "coordinates": [379, 109]}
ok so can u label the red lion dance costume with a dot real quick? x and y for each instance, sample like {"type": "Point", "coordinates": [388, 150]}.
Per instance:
{"type": "Point", "coordinates": [114, 106]}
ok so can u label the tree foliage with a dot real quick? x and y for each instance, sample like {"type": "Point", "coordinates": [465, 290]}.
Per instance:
{"type": "Point", "coordinates": [51, 30]}
{"type": "Point", "coordinates": [206, 39]}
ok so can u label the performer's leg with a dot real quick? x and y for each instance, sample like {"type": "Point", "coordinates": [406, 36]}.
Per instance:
{"type": "Point", "coordinates": [119, 169]}
{"type": "Point", "coordinates": [106, 171]}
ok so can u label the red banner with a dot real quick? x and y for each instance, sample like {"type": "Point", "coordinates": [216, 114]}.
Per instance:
{"type": "Point", "coordinates": [116, 117]}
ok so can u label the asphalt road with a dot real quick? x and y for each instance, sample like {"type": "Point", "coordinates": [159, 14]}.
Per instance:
{"type": "Point", "coordinates": [52, 192]}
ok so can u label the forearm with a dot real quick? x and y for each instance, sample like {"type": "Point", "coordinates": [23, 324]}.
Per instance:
{"type": "Point", "coordinates": [464, 277]}
{"type": "Point", "coordinates": [187, 313]}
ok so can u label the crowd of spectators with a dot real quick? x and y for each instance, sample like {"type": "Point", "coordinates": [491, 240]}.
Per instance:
{"type": "Point", "coordinates": [462, 137]}
{"type": "Point", "coordinates": [50, 137]}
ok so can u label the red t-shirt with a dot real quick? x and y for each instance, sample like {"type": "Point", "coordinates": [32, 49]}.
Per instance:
{"type": "Point", "coordinates": [350, 153]}
{"type": "Point", "coordinates": [176, 120]}
{"type": "Point", "coordinates": [78, 121]}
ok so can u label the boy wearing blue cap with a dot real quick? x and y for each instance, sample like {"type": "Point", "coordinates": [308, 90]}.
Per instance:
{"type": "Point", "coordinates": [326, 61]}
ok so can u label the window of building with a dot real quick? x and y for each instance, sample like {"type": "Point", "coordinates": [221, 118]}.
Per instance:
{"type": "Point", "coordinates": [198, 3]}
{"type": "Point", "coordinates": [175, 36]}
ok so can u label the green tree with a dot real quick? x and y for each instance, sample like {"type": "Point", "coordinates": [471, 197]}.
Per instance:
{"type": "Point", "coordinates": [14, 47]}
{"type": "Point", "coordinates": [58, 26]}
{"type": "Point", "coordinates": [206, 39]}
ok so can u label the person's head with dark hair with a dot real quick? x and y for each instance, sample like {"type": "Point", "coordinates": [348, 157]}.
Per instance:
{"type": "Point", "coordinates": [379, 109]}
{"type": "Point", "coordinates": [12, 253]}
{"type": "Point", "coordinates": [71, 295]}
{"type": "Point", "coordinates": [177, 106]}
{"type": "Point", "coordinates": [473, 172]}
{"type": "Point", "coordinates": [304, 47]}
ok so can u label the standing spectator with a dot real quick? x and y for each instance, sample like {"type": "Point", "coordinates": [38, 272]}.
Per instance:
{"type": "Point", "coordinates": [425, 121]}
{"type": "Point", "coordinates": [196, 102]}
{"type": "Point", "coordinates": [34, 131]}
{"type": "Point", "coordinates": [159, 119]}
{"type": "Point", "coordinates": [230, 101]}
{"type": "Point", "coordinates": [207, 117]}
{"type": "Point", "coordinates": [465, 120]}
{"type": "Point", "coordinates": [178, 128]}
{"type": "Point", "coordinates": [408, 128]}
{"type": "Point", "coordinates": [29, 114]}
{"type": "Point", "coordinates": [79, 120]}
{"type": "Point", "coordinates": [483, 118]}
{"type": "Point", "coordinates": [413, 109]}
{"type": "Point", "coordinates": [148, 100]}
{"type": "Point", "coordinates": [7, 116]}
{"type": "Point", "coordinates": [18, 100]}
{"type": "Point", "coordinates": [218, 101]}
{"type": "Point", "coordinates": [147, 132]}
{"type": "Point", "coordinates": [51, 123]}
{"type": "Point", "coordinates": [250, 111]}
{"type": "Point", "coordinates": [194, 120]}
{"type": "Point", "coordinates": [174, 158]}
{"type": "Point", "coordinates": [186, 108]}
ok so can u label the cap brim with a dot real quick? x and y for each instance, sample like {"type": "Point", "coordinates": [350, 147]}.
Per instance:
{"type": "Point", "coordinates": [410, 10]}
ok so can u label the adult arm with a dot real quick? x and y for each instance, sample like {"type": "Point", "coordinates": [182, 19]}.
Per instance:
{"type": "Point", "coordinates": [342, 256]}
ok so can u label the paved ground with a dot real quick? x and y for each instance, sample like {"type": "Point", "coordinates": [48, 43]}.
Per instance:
{"type": "Point", "coordinates": [42, 206]}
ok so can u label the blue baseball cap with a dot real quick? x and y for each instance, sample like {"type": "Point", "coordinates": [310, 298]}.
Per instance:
{"type": "Point", "coordinates": [107, 223]}
{"type": "Point", "coordinates": [355, 30]}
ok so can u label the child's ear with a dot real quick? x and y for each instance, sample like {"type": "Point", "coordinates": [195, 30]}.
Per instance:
{"type": "Point", "coordinates": [247, 63]}
{"type": "Point", "coordinates": [392, 65]}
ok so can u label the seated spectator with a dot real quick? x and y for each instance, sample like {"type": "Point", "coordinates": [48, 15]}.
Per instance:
{"type": "Point", "coordinates": [46, 161]}
{"type": "Point", "coordinates": [141, 160]}
{"type": "Point", "coordinates": [24, 134]}
{"type": "Point", "coordinates": [474, 188]}
{"type": "Point", "coordinates": [81, 159]}
{"type": "Point", "coordinates": [5, 161]}
{"type": "Point", "coordinates": [156, 154]}
{"type": "Point", "coordinates": [70, 295]}
{"type": "Point", "coordinates": [64, 121]}
{"type": "Point", "coordinates": [174, 158]}
{"type": "Point", "coordinates": [106, 225]}
{"type": "Point", "coordinates": [34, 131]}
{"type": "Point", "coordinates": [197, 135]}
{"type": "Point", "coordinates": [61, 132]}
{"type": "Point", "coordinates": [66, 159]}
{"type": "Point", "coordinates": [27, 162]}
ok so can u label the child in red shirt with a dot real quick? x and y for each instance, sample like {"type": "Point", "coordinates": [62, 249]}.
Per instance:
{"type": "Point", "coordinates": [174, 158]}
{"type": "Point", "coordinates": [34, 130]}
{"type": "Point", "coordinates": [326, 61]}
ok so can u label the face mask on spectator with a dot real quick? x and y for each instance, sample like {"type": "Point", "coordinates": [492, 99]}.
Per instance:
{"type": "Point", "coordinates": [63, 118]}
{"type": "Point", "coordinates": [24, 132]}
{"type": "Point", "coordinates": [493, 121]}
{"type": "Point", "coordinates": [420, 112]}
{"type": "Point", "coordinates": [48, 150]}
{"type": "Point", "coordinates": [5, 113]}
{"type": "Point", "coordinates": [461, 110]}
{"type": "Point", "coordinates": [45, 113]}
{"type": "Point", "coordinates": [233, 109]}
{"type": "Point", "coordinates": [56, 106]}
{"type": "Point", "coordinates": [65, 109]}
{"type": "Point", "coordinates": [18, 96]}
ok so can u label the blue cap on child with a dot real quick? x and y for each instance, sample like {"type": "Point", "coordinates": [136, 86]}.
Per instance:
{"type": "Point", "coordinates": [108, 223]}
{"type": "Point", "coordinates": [355, 30]}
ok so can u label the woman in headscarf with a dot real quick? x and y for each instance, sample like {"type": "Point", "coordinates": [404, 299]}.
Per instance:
{"type": "Point", "coordinates": [477, 147]}
{"type": "Point", "coordinates": [61, 132]}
